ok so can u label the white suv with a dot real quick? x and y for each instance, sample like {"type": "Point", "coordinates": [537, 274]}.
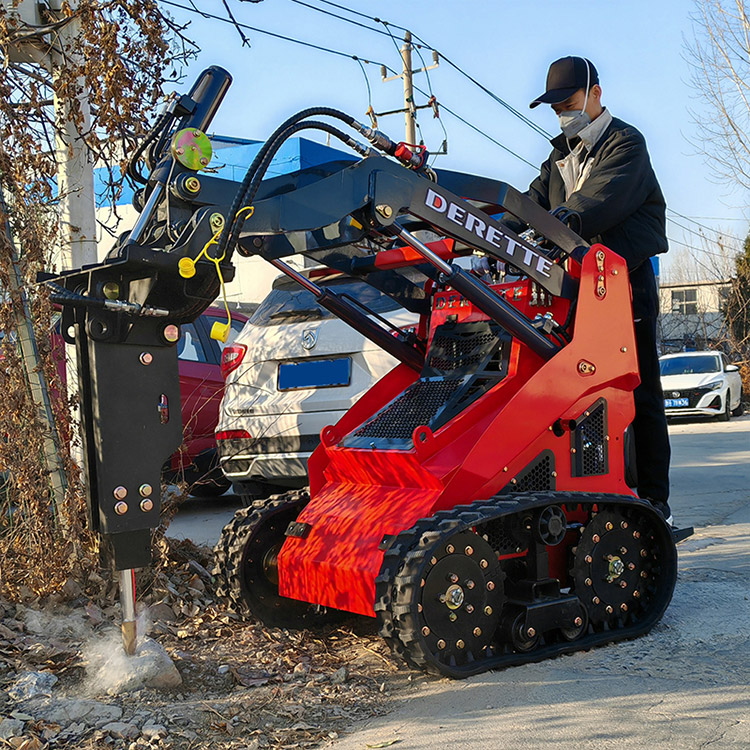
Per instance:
{"type": "Point", "coordinates": [700, 384]}
{"type": "Point", "coordinates": [293, 370]}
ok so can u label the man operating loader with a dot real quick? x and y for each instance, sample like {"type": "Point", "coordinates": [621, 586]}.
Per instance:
{"type": "Point", "coordinates": [600, 168]}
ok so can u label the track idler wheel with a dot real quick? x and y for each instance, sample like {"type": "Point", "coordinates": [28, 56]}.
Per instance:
{"type": "Point", "coordinates": [523, 639]}
{"type": "Point", "coordinates": [455, 608]}
{"type": "Point", "coordinates": [579, 627]}
{"type": "Point", "coordinates": [246, 563]}
{"type": "Point", "coordinates": [617, 567]}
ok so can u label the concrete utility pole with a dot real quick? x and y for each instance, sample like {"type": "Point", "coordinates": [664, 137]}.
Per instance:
{"type": "Point", "coordinates": [51, 48]}
{"type": "Point", "coordinates": [75, 170]}
{"type": "Point", "coordinates": [410, 113]}
{"type": "Point", "coordinates": [407, 75]}
{"type": "Point", "coordinates": [75, 185]}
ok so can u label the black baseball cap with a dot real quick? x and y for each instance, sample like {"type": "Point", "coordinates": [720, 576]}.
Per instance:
{"type": "Point", "coordinates": [565, 77]}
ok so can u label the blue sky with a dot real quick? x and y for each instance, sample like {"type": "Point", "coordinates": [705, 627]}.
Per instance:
{"type": "Point", "coordinates": [637, 46]}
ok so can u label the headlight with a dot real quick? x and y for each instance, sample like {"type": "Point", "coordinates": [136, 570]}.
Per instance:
{"type": "Point", "coordinates": [713, 385]}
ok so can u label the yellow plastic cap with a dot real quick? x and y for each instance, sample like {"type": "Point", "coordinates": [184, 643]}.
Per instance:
{"type": "Point", "coordinates": [186, 267]}
{"type": "Point", "coordinates": [220, 332]}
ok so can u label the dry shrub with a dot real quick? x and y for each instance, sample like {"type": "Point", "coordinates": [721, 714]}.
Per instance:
{"type": "Point", "coordinates": [122, 54]}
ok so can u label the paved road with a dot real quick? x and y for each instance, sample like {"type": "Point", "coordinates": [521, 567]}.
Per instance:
{"type": "Point", "coordinates": [202, 519]}
{"type": "Point", "coordinates": [683, 686]}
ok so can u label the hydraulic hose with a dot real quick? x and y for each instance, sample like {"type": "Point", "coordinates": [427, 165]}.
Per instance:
{"type": "Point", "coordinates": [65, 297]}
{"type": "Point", "coordinates": [240, 198]}
{"type": "Point", "coordinates": [157, 129]}
{"type": "Point", "coordinates": [271, 153]}
{"type": "Point", "coordinates": [378, 139]}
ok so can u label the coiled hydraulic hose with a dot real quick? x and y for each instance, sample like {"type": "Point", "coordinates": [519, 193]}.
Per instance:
{"type": "Point", "coordinates": [260, 173]}
{"type": "Point", "coordinates": [240, 199]}
{"type": "Point", "coordinates": [243, 196]}
{"type": "Point", "coordinates": [156, 131]}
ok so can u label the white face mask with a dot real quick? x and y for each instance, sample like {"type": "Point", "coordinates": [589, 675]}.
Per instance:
{"type": "Point", "coordinates": [574, 121]}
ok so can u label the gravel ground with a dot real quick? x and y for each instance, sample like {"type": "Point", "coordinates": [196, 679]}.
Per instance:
{"type": "Point", "coordinates": [202, 679]}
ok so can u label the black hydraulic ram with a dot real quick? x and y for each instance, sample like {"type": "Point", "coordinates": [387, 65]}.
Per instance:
{"type": "Point", "coordinates": [486, 300]}
{"type": "Point", "coordinates": [199, 106]}
{"type": "Point", "coordinates": [357, 319]}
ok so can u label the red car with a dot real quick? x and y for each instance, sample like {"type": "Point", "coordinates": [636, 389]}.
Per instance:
{"type": "Point", "coordinates": [201, 389]}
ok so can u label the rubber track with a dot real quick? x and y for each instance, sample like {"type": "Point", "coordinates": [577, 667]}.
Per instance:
{"type": "Point", "coordinates": [228, 550]}
{"type": "Point", "coordinates": [401, 573]}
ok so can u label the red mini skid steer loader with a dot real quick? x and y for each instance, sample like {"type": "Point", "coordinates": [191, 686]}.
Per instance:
{"type": "Point", "coordinates": [475, 499]}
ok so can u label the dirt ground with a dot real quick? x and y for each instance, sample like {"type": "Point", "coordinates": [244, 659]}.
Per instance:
{"type": "Point", "coordinates": [242, 685]}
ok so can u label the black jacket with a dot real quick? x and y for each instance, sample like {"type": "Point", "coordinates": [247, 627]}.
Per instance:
{"type": "Point", "coordinates": [620, 203]}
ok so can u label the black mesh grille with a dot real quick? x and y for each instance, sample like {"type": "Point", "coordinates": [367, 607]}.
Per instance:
{"type": "Point", "coordinates": [459, 351]}
{"type": "Point", "coordinates": [465, 360]}
{"type": "Point", "coordinates": [590, 443]}
{"type": "Point", "coordinates": [418, 405]}
{"type": "Point", "coordinates": [537, 476]}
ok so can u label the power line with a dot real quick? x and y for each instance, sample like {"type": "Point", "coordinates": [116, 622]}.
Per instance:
{"type": "Point", "coordinates": [701, 234]}
{"type": "Point", "coordinates": [720, 218]}
{"type": "Point", "coordinates": [697, 260]}
{"type": "Point", "coordinates": [361, 15]}
{"type": "Point", "coordinates": [488, 137]}
{"type": "Point", "coordinates": [510, 108]}
{"type": "Point", "coordinates": [433, 98]}
{"type": "Point", "coordinates": [699, 249]}
{"type": "Point", "coordinates": [367, 83]}
{"type": "Point", "coordinates": [320, 48]}
{"type": "Point", "coordinates": [704, 226]}
{"type": "Point", "coordinates": [341, 18]}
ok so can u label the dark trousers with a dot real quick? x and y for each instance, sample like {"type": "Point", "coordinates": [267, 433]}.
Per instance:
{"type": "Point", "coordinates": [652, 451]}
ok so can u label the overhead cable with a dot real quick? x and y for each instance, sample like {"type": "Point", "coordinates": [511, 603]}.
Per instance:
{"type": "Point", "coordinates": [703, 226]}
{"type": "Point", "coordinates": [205, 14]}
{"type": "Point", "coordinates": [509, 107]}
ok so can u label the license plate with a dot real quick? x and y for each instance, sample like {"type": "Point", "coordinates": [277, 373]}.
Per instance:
{"type": "Point", "coordinates": [315, 373]}
{"type": "Point", "coordinates": [671, 403]}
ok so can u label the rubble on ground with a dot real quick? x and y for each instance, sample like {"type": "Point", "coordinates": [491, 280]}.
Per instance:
{"type": "Point", "coordinates": [201, 677]}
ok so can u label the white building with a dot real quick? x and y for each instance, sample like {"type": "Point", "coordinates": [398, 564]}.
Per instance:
{"type": "Point", "coordinates": [691, 314]}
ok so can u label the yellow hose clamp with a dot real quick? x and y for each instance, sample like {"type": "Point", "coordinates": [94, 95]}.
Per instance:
{"type": "Point", "coordinates": [191, 148]}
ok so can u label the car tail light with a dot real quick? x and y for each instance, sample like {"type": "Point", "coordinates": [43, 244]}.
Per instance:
{"type": "Point", "coordinates": [231, 358]}
{"type": "Point", "coordinates": [232, 434]}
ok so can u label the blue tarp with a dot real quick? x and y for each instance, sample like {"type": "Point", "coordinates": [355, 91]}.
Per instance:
{"type": "Point", "coordinates": [232, 158]}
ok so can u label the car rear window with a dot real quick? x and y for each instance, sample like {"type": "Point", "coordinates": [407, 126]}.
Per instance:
{"type": "Point", "coordinates": [289, 303]}
{"type": "Point", "coordinates": [697, 365]}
